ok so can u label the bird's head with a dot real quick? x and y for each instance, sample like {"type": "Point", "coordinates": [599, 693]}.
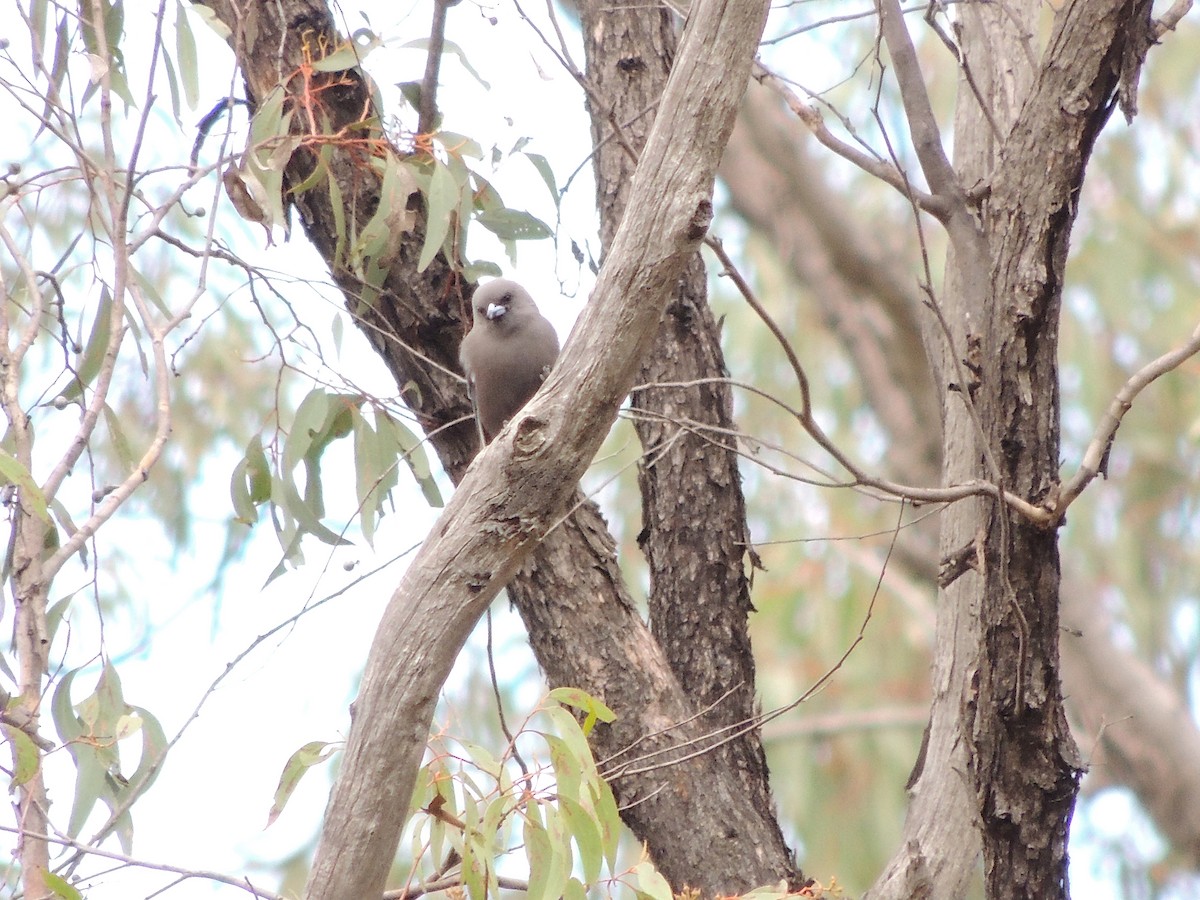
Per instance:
{"type": "Point", "coordinates": [499, 298]}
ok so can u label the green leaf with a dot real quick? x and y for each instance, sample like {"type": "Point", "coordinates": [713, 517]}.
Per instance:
{"type": "Point", "coordinates": [119, 441]}
{"type": "Point", "coordinates": [582, 826]}
{"type": "Point", "coordinates": [585, 702]}
{"type": "Point", "coordinates": [543, 167]}
{"type": "Point", "coordinates": [412, 451]}
{"type": "Point", "coordinates": [258, 471]}
{"type": "Point", "coordinates": [185, 51]}
{"type": "Point", "coordinates": [575, 756]}
{"type": "Point", "coordinates": [107, 55]}
{"type": "Point", "coordinates": [294, 769]}
{"type": "Point", "coordinates": [609, 820]}
{"type": "Point", "coordinates": [25, 753]}
{"type": "Point", "coordinates": [337, 328]}
{"type": "Point", "coordinates": [209, 17]}
{"type": "Point", "coordinates": [538, 851]}
{"type": "Point", "coordinates": [308, 421]}
{"type": "Point", "coordinates": [54, 615]}
{"type": "Point", "coordinates": [250, 484]}
{"type": "Point", "coordinates": [568, 768]}
{"type": "Point", "coordinates": [450, 47]}
{"type": "Point", "coordinates": [376, 471]}
{"type": "Point", "coordinates": [95, 349]}
{"type": "Point", "coordinates": [650, 885]}
{"type": "Point", "coordinates": [411, 92]}
{"type": "Point", "coordinates": [459, 144]}
{"type": "Point", "coordinates": [477, 850]}
{"type": "Point", "coordinates": [244, 510]}
{"type": "Point", "coordinates": [37, 26]}
{"type": "Point", "coordinates": [61, 887]}
{"type": "Point", "coordinates": [514, 225]}
{"type": "Point", "coordinates": [58, 71]}
{"type": "Point", "coordinates": [339, 221]}
{"type": "Point", "coordinates": [349, 54]}
{"type": "Point", "coordinates": [83, 737]}
{"type": "Point", "coordinates": [549, 853]}
{"type": "Point", "coordinates": [32, 498]}
{"type": "Point", "coordinates": [65, 721]}
{"type": "Point", "coordinates": [440, 204]}
{"type": "Point", "coordinates": [172, 85]}
{"type": "Point", "coordinates": [483, 759]}
{"type": "Point", "coordinates": [268, 120]}
{"type": "Point", "coordinates": [154, 750]}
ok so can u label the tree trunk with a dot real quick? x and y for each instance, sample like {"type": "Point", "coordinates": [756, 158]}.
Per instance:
{"type": "Point", "coordinates": [694, 531]}
{"type": "Point", "coordinates": [997, 666]}
{"type": "Point", "coordinates": [1135, 719]}
{"type": "Point", "coordinates": [358, 831]}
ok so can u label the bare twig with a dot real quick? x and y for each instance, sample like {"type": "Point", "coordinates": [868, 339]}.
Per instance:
{"type": "Point", "coordinates": [445, 884]}
{"type": "Point", "coordinates": [888, 174]}
{"type": "Point", "coordinates": [207, 875]}
{"type": "Point", "coordinates": [707, 743]}
{"type": "Point", "coordinates": [427, 113]}
{"type": "Point", "coordinates": [931, 20]}
{"type": "Point", "coordinates": [1168, 20]}
{"type": "Point", "coordinates": [1095, 458]}
{"type": "Point", "coordinates": [862, 477]}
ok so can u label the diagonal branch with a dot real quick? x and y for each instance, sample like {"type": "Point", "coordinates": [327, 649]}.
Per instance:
{"type": "Point", "coordinates": [1095, 458]}
{"type": "Point", "coordinates": [516, 487]}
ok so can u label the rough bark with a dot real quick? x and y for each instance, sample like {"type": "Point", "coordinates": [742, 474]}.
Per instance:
{"type": "Point", "coordinates": [941, 832]}
{"type": "Point", "coordinates": [1129, 719]}
{"type": "Point", "coordinates": [1025, 764]}
{"type": "Point", "coordinates": [647, 267]}
{"type": "Point", "coordinates": [1002, 302]}
{"type": "Point", "coordinates": [696, 549]}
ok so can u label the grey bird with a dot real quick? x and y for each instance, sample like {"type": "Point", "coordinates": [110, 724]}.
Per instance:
{"type": "Point", "coordinates": [507, 354]}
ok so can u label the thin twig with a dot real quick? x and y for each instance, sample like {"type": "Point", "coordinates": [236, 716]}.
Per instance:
{"type": "Point", "coordinates": [208, 875]}
{"type": "Point", "coordinates": [807, 421]}
{"type": "Point", "coordinates": [1168, 20]}
{"type": "Point", "coordinates": [1095, 458]}
{"type": "Point", "coordinates": [888, 174]}
{"type": "Point", "coordinates": [427, 113]}
{"type": "Point", "coordinates": [491, 661]}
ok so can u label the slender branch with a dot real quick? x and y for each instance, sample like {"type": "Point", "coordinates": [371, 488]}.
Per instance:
{"type": "Point", "coordinates": [933, 204]}
{"type": "Point", "coordinates": [427, 113]}
{"type": "Point", "coordinates": [804, 416]}
{"type": "Point", "coordinates": [207, 874]}
{"type": "Point", "coordinates": [922, 123]}
{"type": "Point", "coordinates": [718, 737]}
{"type": "Point", "coordinates": [1168, 20]}
{"type": "Point", "coordinates": [931, 20]}
{"type": "Point", "coordinates": [837, 723]}
{"type": "Point", "coordinates": [1095, 458]}
{"type": "Point", "coordinates": [446, 884]}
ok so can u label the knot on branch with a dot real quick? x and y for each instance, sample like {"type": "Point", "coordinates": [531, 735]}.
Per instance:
{"type": "Point", "coordinates": [701, 219]}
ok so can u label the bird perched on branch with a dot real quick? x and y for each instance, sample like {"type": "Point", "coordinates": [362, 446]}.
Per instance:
{"type": "Point", "coordinates": [507, 354]}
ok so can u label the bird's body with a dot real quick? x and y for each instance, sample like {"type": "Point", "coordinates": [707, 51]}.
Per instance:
{"type": "Point", "coordinates": [507, 353]}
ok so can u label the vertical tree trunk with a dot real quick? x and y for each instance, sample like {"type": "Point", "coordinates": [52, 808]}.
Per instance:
{"type": "Point", "coordinates": [694, 530]}
{"type": "Point", "coordinates": [1024, 132]}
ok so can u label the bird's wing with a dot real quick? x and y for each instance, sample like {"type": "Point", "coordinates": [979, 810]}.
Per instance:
{"type": "Point", "coordinates": [475, 409]}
